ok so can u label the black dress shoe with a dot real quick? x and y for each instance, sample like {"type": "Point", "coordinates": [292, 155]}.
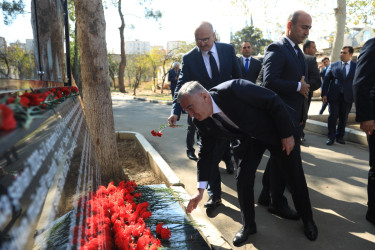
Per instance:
{"type": "Point", "coordinates": [264, 198]}
{"type": "Point", "coordinates": [242, 235]}
{"type": "Point", "coordinates": [310, 230]}
{"type": "Point", "coordinates": [191, 156]}
{"type": "Point", "coordinates": [230, 167]}
{"type": "Point", "coordinates": [285, 212]}
{"type": "Point", "coordinates": [330, 141]}
{"type": "Point", "coordinates": [213, 202]}
{"type": "Point", "coordinates": [340, 140]}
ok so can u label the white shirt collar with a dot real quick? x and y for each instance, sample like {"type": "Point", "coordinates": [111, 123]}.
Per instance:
{"type": "Point", "coordinates": [215, 108]}
{"type": "Point", "coordinates": [348, 62]}
{"type": "Point", "coordinates": [290, 41]}
{"type": "Point", "coordinates": [213, 49]}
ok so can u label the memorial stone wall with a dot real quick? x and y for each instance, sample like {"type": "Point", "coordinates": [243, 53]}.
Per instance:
{"type": "Point", "coordinates": [43, 172]}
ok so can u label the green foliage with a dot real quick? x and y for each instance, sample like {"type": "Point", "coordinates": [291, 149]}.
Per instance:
{"type": "Point", "coordinates": [254, 36]}
{"type": "Point", "coordinates": [113, 66]}
{"type": "Point", "coordinates": [361, 11]}
{"type": "Point", "coordinates": [11, 9]}
{"type": "Point", "coordinates": [20, 62]}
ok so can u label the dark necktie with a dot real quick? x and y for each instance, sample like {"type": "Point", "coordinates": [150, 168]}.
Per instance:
{"type": "Point", "coordinates": [344, 70]}
{"type": "Point", "coordinates": [214, 69]}
{"type": "Point", "coordinates": [220, 121]}
{"type": "Point", "coordinates": [301, 58]}
{"type": "Point", "coordinates": [247, 65]}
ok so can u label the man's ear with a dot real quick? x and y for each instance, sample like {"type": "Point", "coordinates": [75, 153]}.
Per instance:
{"type": "Point", "coordinates": [205, 96]}
{"type": "Point", "coordinates": [289, 25]}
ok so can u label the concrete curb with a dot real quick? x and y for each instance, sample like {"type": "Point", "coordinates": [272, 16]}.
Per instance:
{"type": "Point", "coordinates": [351, 135]}
{"type": "Point", "coordinates": [161, 168]}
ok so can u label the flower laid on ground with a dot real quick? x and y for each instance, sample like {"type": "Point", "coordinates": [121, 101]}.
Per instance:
{"type": "Point", "coordinates": [114, 220]}
{"type": "Point", "coordinates": [159, 133]}
{"type": "Point", "coordinates": [31, 105]}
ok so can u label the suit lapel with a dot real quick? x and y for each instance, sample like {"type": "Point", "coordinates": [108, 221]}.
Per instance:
{"type": "Point", "coordinates": [294, 55]}
{"type": "Point", "coordinates": [200, 62]}
{"type": "Point", "coordinates": [351, 70]}
{"type": "Point", "coordinates": [221, 59]}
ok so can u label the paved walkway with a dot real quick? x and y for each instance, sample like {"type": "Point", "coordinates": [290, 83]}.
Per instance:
{"type": "Point", "coordinates": [336, 176]}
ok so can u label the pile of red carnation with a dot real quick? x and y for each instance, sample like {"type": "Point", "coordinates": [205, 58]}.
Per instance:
{"type": "Point", "coordinates": [14, 109]}
{"type": "Point", "coordinates": [112, 218]}
{"type": "Point", "coordinates": [156, 133]}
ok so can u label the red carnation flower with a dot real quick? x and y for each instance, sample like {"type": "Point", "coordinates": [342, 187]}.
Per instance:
{"type": "Point", "coordinates": [165, 233]}
{"type": "Point", "coordinates": [7, 121]}
{"type": "Point", "coordinates": [11, 100]}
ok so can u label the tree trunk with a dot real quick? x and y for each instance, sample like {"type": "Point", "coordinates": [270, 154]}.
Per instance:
{"type": "Point", "coordinates": [121, 70]}
{"type": "Point", "coordinates": [340, 15]}
{"type": "Point", "coordinates": [75, 71]}
{"type": "Point", "coordinates": [95, 85]}
{"type": "Point", "coordinates": [50, 29]}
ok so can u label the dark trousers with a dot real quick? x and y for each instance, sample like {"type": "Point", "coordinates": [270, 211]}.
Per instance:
{"type": "Point", "coordinates": [306, 106]}
{"type": "Point", "coordinates": [338, 109]}
{"type": "Point", "coordinates": [290, 167]}
{"type": "Point", "coordinates": [371, 174]}
{"type": "Point", "coordinates": [173, 87]}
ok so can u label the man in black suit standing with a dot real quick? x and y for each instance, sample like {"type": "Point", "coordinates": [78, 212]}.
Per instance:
{"type": "Point", "coordinates": [364, 95]}
{"type": "Point", "coordinates": [325, 63]}
{"type": "Point", "coordinates": [257, 119]}
{"type": "Point", "coordinates": [250, 66]}
{"type": "Point", "coordinates": [173, 76]}
{"type": "Point", "coordinates": [337, 90]}
{"type": "Point", "coordinates": [313, 79]}
{"type": "Point", "coordinates": [285, 70]}
{"type": "Point", "coordinates": [209, 63]}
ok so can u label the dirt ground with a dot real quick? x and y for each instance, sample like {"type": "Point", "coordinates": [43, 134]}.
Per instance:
{"type": "Point", "coordinates": [135, 164]}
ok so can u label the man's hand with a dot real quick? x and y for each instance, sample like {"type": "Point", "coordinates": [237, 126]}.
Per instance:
{"type": "Point", "coordinates": [288, 144]}
{"type": "Point", "coordinates": [305, 88]}
{"type": "Point", "coordinates": [194, 201]}
{"type": "Point", "coordinates": [324, 99]}
{"type": "Point", "coordinates": [172, 120]}
{"type": "Point", "coordinates": [368, 126]}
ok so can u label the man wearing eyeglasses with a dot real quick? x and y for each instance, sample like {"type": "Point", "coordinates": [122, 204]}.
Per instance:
{"type": "Point", "coordinates": [250, 66]}
{"type": "Point", "coordinates": [209, 63]}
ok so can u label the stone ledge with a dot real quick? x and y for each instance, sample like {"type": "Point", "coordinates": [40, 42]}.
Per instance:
{"type": "Point", "coordinates": [351, 135]}
{"type": "Point", "coordinates": [161, 168]}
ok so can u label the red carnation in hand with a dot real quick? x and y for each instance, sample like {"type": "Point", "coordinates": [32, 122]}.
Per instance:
{"type": "Point", "coordinates": [7, 121]}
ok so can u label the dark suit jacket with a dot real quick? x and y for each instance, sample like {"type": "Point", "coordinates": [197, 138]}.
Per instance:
{"type": "Point", "coordinates": [257, 111]}
{"type": "Point", "coordinates": [282, 72]}
{"type": "Point", "coordinates": [254, 69]}
{"type": "Point", "coordinates": [364, 83]}
{"type": "Point", "coordinates": [323, 73]}
{"type": "Point", "coordinates": [313, 73]}
{"type": "Point", "coordinates": [193, 69]}
{"type": "Point", "coordinates": [334, 79]}
{"type": "Point", "coordinates": [172, 74]}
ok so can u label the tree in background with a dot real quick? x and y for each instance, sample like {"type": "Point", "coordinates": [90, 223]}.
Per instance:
{"type": "Point", "coordinates": [149, 13]}
{"type": "Point", "coordinates": [95, 86]}
{"type": "Point", "coordinates": [254, 36]}
{"type": "Point", "coordinates": [141, 65]}
{"type": "Point", "coordinates": [11, 9]}
{"type": "Point", "coordinates": [155, 58]}
{"type": "Point", "coordinates": [113, 69]}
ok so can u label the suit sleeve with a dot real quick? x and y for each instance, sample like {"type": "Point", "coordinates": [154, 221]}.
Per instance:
{"type": "Point", "coordinates": [327, 81]}
{"type": "Point", "coordinates": [270, 102]}
{"type": "Point", "coordinates": [236, 69]}
{"type": "Point", "coordinates": [364, 83]}
{"type": "Point", "coordinates": [184, 76]}
{"type": "Point", "coordinates": [314, 75]}
{"type": "Point", "coordinates": [274, 63]}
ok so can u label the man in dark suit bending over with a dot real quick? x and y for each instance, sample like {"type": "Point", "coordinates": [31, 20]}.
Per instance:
{"type": "Point", "coordinates": [250, 66]}
{"type": "Point", "coordinates": [258, 119]}
{"type": "Point", "coordinates": [209, 63]}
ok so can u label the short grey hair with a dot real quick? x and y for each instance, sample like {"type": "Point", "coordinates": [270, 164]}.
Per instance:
{"type": "Point", "coordinates": [190, 88]}
{"type": "Point", "coordinates": [175, 64]}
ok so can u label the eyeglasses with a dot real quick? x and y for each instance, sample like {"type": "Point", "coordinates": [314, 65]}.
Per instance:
{"type": "Point", "coordinates": [203, 40]}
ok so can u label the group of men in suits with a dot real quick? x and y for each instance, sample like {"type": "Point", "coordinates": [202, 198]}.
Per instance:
{"type": "Point", "coordinates": [214, 65]}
